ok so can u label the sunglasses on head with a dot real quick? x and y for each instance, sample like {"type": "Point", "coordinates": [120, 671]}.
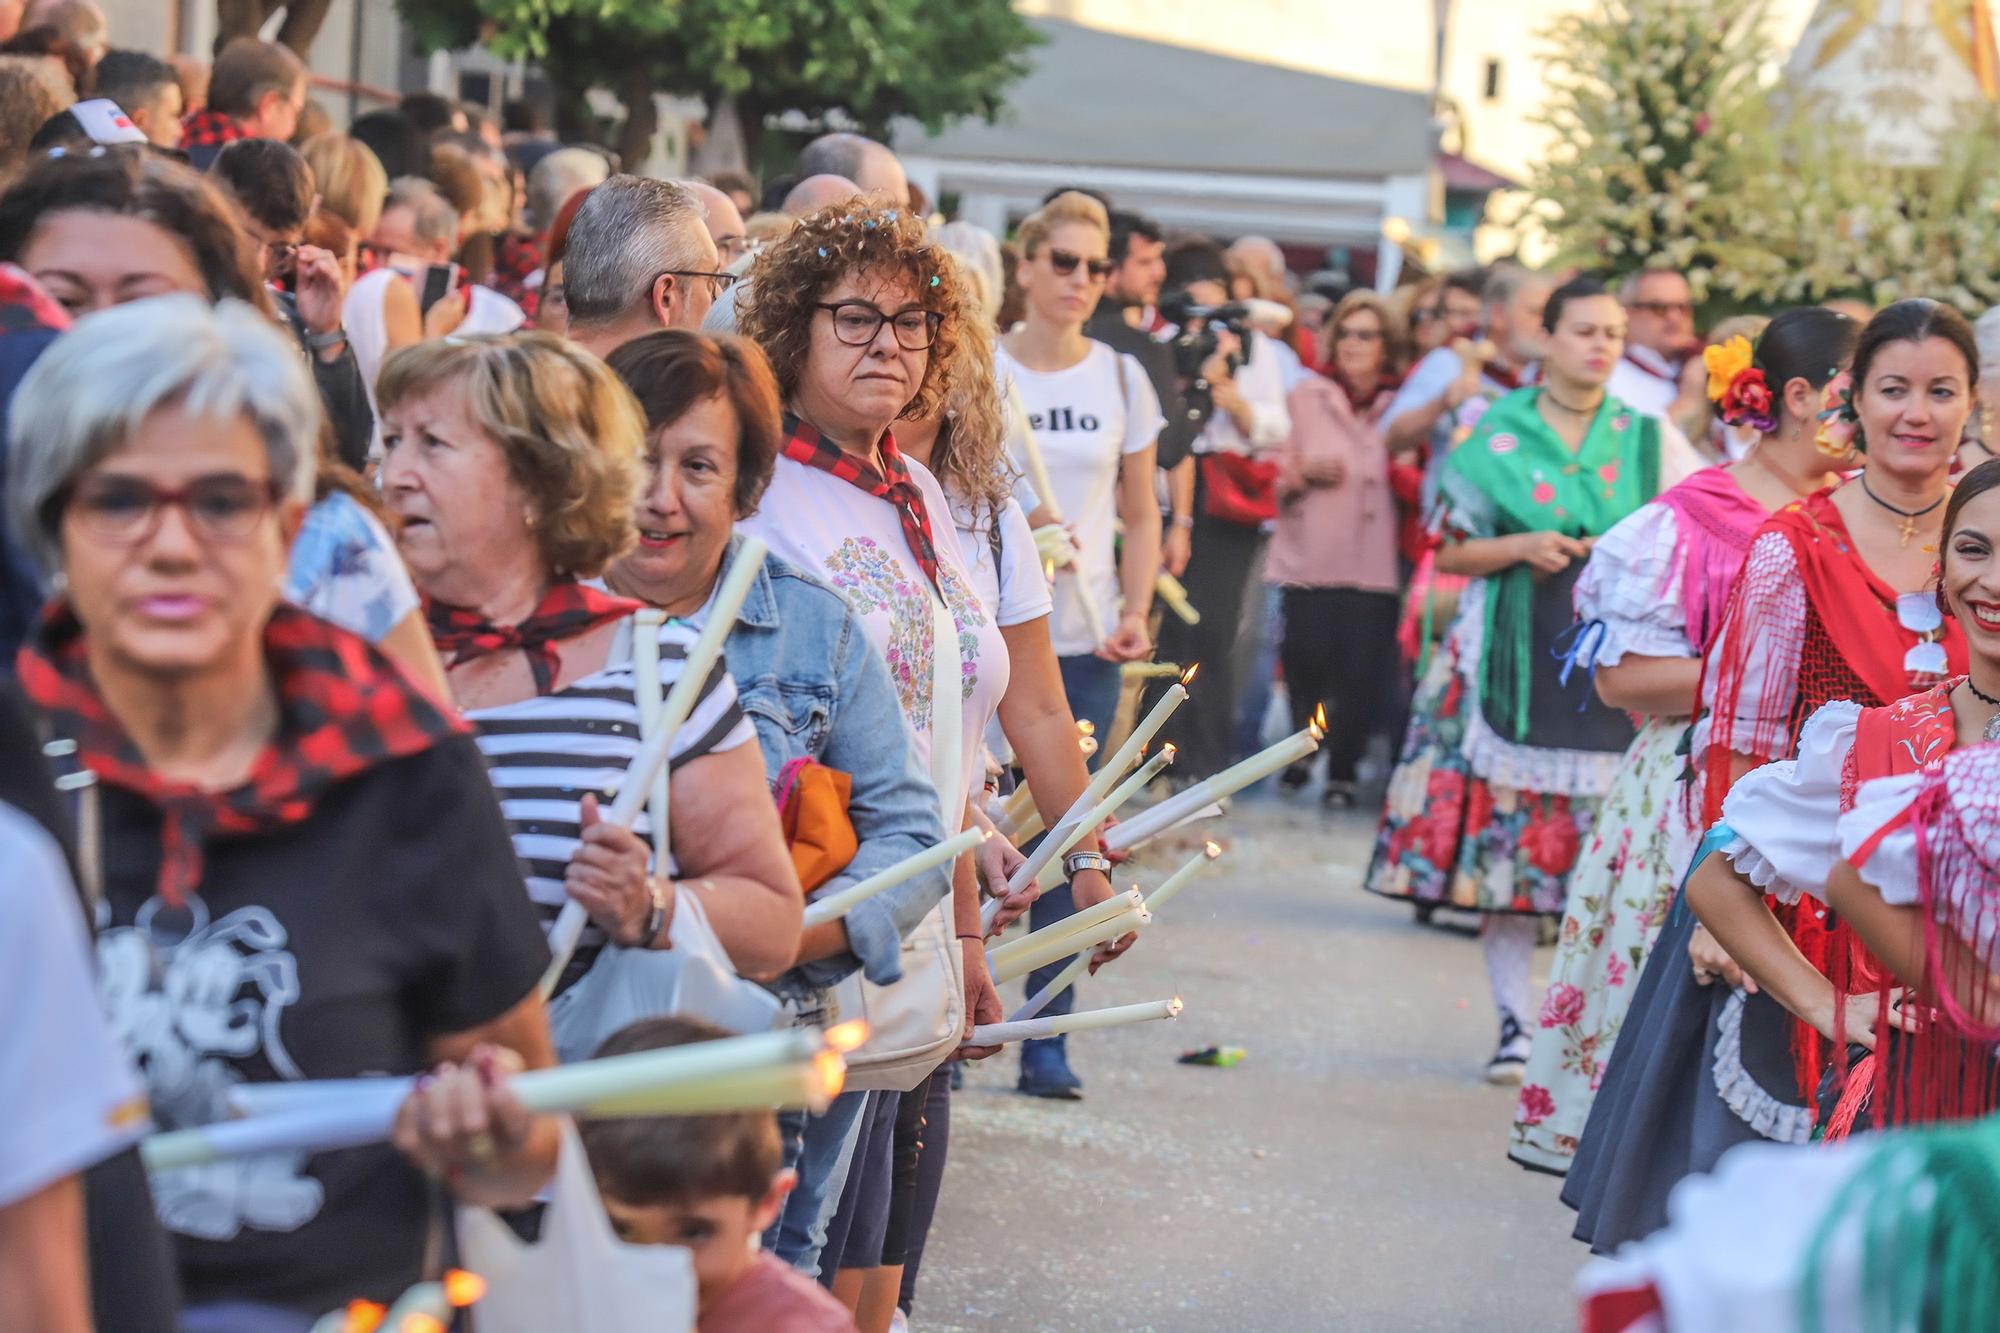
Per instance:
{"type": "Point", "coordinates": [1064, 262]}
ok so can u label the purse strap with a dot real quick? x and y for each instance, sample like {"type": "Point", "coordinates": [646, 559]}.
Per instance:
{"type": "Point", "coordinates": [947, 715]}
{"type": "Point", "coordinates": [646, 625]}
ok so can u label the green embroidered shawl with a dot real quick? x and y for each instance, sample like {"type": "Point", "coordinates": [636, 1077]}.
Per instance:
{"type": "Point", "coordinates": [1514, 474]}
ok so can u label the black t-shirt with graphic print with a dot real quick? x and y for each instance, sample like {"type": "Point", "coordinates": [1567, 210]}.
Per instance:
{"type": "Point", "coordinates": [333, 948]}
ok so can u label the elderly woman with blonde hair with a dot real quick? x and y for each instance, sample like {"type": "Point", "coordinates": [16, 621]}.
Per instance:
{"type": "Point", "coordinates": [512, 463]}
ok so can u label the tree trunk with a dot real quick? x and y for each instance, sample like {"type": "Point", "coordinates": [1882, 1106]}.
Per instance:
{"type": "Point", "coordinates": [642, 122]}
{"type": "Point", "coordinates": [574, 123]}
{"type": "Point", "coordinates": [302, 23]}
{"type": "Point", "coordinates": [246, 18]}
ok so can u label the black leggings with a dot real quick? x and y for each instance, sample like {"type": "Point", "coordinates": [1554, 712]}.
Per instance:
{"type": "Point", "coordinates": [906, 1152]}
{"type": "Point", "coordinates": [1339, 651]}
{"type": "Point", "coordinates": [930, 1180]}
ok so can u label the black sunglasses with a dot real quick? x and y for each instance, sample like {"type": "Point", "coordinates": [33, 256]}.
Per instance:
{"type": "Point", "coordinates": [1064, 263]}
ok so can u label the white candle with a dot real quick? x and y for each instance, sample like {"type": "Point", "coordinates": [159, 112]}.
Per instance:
{"type": "Point", "coordinates": [1069, 833]}
{"type": "Point", "coordinates": [349, 1119]}
{"type": "Point", "coordinates": [1000, 1034]}
{"type": "Point", "coordinates": [652, 756]}
{"type": "Point", "coordinates": [1231, 780]}
{"type": "Point", "coordinates": [1177, 881]}
{"type": "Point", "coordinates": [1116, 905]}
{"type": "Point", "coordinates": [1173, 592]}
{"type": "Point", "coordinates": [1041, 956]}
{"type": "Point", "coordinates": [834, 906]}
{"type": "Point", "coordinates": [1149, 670]}
{"type": "Point", "coordinates": [1059, 983]}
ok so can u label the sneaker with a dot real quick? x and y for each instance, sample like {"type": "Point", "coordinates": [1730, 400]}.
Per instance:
{"type": "Point", "coordinates": [1509, 1064]}
{"type": "Point", "coordinates": [899, 1322]}
{"type": "Point", "coordinates": [1045, 1072]}
{"type": "Point", "coordinates": [1338, 795]}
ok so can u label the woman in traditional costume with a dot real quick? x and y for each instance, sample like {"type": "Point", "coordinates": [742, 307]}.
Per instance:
{"type": "Point", "coordinates": [1789, 822]}
{"type": "Point", "coordinates": [1832, 603]}
{"type": "Point", "coordinates": [1508, 755]}
{"type": "Point", "coordinates": [1651, 600]}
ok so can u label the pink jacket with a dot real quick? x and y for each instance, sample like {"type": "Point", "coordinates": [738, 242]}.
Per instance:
{"type": "Point", "coordinates": [1338, 534]}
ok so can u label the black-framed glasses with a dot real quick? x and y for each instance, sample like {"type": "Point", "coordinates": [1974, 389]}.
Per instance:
{"type": "Point", "coordinates": [223, 506]}
{"type": "Point", "coordinates": [857, 323]}
{"type": "Point", "coordinates": [723, 281]}
{"type": "Point", "coordinates": [1064, 262]}
{"type": "Point", "coordinates": [1357, 335]}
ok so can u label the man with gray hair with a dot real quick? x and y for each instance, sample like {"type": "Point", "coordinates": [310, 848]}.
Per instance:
{"type": "Point", "coordinates": [417, 221]}
{"type": "Point", "coordinates": [1452, 386]}
{"type": "Point", "coordinates": [868, 164]}
{"type": "Point", "coordinates": [558, 176]}
{"type": "Point", "coordinates": [1659, 342]}
{"type": "Point", "coordinates": [639, 260]}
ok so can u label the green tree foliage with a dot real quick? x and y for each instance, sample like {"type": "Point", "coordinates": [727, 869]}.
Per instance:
{"type": "Point", "coordinates": [870, 60]}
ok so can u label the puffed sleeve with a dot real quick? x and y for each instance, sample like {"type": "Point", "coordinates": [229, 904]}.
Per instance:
{"type": "Point", "coordinates": [1632, 587]}
{"type": "Point", "coordinates": [1890, 866]}
{"type": "Point", "coordinates": [1786, 814]}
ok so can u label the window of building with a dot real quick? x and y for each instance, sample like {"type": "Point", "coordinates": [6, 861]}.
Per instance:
{"type": "Point", "coordinates": [1492, 80]}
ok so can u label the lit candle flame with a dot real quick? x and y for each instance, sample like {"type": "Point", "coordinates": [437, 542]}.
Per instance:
{"type": "Point", "coordinates": [832, 1072]}
{"type": "Point", "coordinates": [1211, 850]}
{"type": "Point", "coordinates": [420, 1323]}
{"type": "Point", "coordinates": [364, 1316]}
{"type": "Point", "coordinates": [1318, 724]}
{"type": "Point", "coordinates": [1187, 677]}
{"type": "Point", "coordinates": [1174, 1007]}
{"type": "Point", "coordinates": [1085, 727]}
{"type": "Point", "coordinates": [848, 1036]}
{"type": "Point", "coordinates": [1170, 751]}
{"type": "Point", "coordinates": [462, 1287]}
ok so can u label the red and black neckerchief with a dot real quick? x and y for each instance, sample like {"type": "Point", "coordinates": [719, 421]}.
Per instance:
{"type": "Point", "coordinates": [343, 708]}
{"type": "Point", "coordinates": [1509, 378]}
{"type": "Point", "coordinates": [208, 128]}
{"type": "Point", "coordinates": [566, 610]}
{"type": "Point", "coordinates": [805, 444]}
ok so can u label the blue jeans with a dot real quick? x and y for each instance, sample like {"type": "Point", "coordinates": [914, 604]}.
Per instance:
{"type": "Point", "coordinates": [1092, 685]}
{"type": "Point", "coordinates": [820, 1148]}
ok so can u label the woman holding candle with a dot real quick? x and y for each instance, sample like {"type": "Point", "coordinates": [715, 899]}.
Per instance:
{"type": "Point", "coordinates": [277, 804]}
{"type": "Point", "coordinates": [1508, 756]}
{"type": "Point", "coordinates": [511, 462]}
{"type": "Point", "coordinates": [813, 685]}
{"type": "Point", "coordinates": [1334, 550]}
{"type": "Point", "coordinates": [1791, 821]}
{"type": "Point", "coordinates": [1831, 604]}
{"type": "Point", "coordinates": [1654, 591]}
{"type": "Point", "coordinates": [864, 319]}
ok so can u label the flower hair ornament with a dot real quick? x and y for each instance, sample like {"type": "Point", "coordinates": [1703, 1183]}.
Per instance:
{"type": "Point", "coordinates": [1839, 423]}
{"type": "Point", "coordinates": [1738, 388]}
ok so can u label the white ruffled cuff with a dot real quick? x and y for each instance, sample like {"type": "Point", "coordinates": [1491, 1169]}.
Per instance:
{"type": "Point", "coordinates": [1751, 864]}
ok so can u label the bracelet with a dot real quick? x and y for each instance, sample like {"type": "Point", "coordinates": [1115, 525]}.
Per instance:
{"type": "Point", "coordinates": [1085, 860]}
{"type": "Point", "coordinates": [1183, 520]}
{"type": "Point", "coordinates": [319, 342]}
{"type": "Point", "coordinates": [981, 938]}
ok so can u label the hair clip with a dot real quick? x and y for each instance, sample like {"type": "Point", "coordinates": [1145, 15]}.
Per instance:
{"type": "Point", "coordinates": [890, 215]}
{"type": "Point", "coordinates": [822, 252]}
{"type": "Point", "coordinates": [935, 280]}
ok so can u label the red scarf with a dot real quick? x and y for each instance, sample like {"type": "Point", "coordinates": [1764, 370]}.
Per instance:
{"type": "Point", "coordinates": [566, 610]}
{"type": "Point", "coordinates": [343, 708]}
{"type": "Point", "coordinates": [805, 444]}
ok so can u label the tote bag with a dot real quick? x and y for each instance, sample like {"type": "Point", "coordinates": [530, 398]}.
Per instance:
{"type": "Point", "coordinates": [916, 1022]}
{"type": "Point", "coordinates": [578, 1277]}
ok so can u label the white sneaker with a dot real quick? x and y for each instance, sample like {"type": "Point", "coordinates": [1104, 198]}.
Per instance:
{"type": "Point", "coordinates": [1509, 1065]}
{"type": "Point", "coordinates": [899, 1322]}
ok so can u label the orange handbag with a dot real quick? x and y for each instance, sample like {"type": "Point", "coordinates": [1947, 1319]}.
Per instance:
{"type": "Point", "coordinates": [812, 808]}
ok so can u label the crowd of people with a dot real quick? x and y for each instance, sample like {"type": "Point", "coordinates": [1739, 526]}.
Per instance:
{"type": "Point", "coordinates": [365, 490]}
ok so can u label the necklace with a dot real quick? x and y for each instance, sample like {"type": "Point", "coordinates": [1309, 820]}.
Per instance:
{"type": "Point", "coordinates": [1908, 527]}
{"type": "Point", "coordinates": [1550, 395]}
{"type": "Point", "coordinates": [1992, 732]}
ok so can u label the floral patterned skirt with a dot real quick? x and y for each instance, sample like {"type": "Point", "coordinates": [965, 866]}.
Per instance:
{"type": "Point", "coordinates": [1448, 836]}
{"type": "Point", "coordinates": [1619, 894]}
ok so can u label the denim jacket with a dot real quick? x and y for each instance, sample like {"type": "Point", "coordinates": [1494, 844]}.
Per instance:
{"type": "Point", "coordinates": [814, 687]}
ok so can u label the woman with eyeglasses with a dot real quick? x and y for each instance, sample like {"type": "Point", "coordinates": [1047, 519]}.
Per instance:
{"type": "Point", "coordinates": [1835, 602]}
{"type": "Point", "coordinates": [863, 317]}
{"type": "Point", "coordinates": [303, 873]}
{"type": "Point", "coordinates": [1334, 551]}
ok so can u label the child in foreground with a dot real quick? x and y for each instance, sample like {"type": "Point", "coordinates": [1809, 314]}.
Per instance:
{"type": "Point", "coordinates": [712, 1184]}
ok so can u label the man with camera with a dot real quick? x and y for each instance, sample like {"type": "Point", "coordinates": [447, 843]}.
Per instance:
{"type": "Point", "coordinates": [1222, 497]}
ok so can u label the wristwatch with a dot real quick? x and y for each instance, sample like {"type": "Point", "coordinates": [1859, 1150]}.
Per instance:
{"type": "Point", "coordinates": [333, 337]}
{"type": "Point", "coordinates": [1183, 521]}
{"type": "Point", "coordinates": [1086, 860]}
{"type": "Point", "coordinates": [656, 920]}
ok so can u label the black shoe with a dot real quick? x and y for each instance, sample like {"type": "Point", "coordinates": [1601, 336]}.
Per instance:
{"type": "Point", "coordinates": [1296, 775]}
{"type": "Point", "coordinates": [1338, 795]}
{"type": "Point", "coordinates": [1509, 1064]}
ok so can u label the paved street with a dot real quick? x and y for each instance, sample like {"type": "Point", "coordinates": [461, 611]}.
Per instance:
{"type": "Point", "coordinates": [1350, 1174]}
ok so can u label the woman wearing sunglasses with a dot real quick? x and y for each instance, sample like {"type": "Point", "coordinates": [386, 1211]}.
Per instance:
{"type": "Point", "coordinates": [1835, 602]}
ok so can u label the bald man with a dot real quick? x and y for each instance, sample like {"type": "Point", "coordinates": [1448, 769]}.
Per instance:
{"type": "Point", "coordinates": [724, 220]}
{"type": "Point", "coordinates": [870, 165]}
{"type": "Point", "coordinates": [816, 192]}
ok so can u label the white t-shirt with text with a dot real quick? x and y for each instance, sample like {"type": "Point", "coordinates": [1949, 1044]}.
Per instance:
{"type": "Point", "coordinates": [1085, 419]}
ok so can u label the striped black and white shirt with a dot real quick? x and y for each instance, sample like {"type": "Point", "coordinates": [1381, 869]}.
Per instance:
{"type": "Point", "coordinates": [545, 753]}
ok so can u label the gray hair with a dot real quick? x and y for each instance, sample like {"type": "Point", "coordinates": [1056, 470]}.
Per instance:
{"type": "Point", "coordinates": [1503, 282]}
{"type": "Point", "coordinates": [1628, 289]}
{"type": "Point", "coordinates": [557, 177]}
{"type": "Point", "coordinates": [432, 217]}
{"type": "Point", "coordinates": [87, 395]}
{"type": "Point", "coordinates": [836, 154]}
{"type": "Point", "coordinates": [627, 232]}
{"type": "Point", "coordinates": [978, 253]}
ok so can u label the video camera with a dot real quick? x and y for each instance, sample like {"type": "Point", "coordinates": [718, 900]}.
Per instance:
{"type": "Point", "coordinates": [1198, 340]}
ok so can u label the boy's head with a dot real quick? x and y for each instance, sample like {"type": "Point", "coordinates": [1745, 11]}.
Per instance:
{"type": "Point", "coordinates": [710, 1183]}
